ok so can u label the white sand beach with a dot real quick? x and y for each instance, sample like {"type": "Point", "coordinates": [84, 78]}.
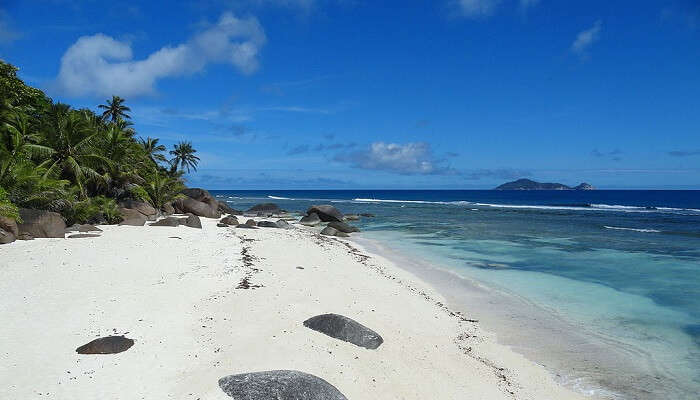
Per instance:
{"type": "Point", "coordinates": [179, 293]}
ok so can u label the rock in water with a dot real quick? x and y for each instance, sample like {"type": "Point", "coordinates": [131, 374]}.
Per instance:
{"type": "Point", "coordinates": [168, 221]}
{"type": "Point", "coordinates": [330, 231]}
{"type": "Point", "coordinates": [346, 329]}
{"type": "Point", "coordinates": [41, 223]}
{"type": "Point", "coordinates": [326, 213]}
{"type": "Point", "coordinates": [310, 220]}
{"type": "Point", "coordinates": [352, 217]}
{"type": "Point", "coordinates": [343, 227]}
{"type": "Point", "coordinates": [270, 208]}
{"type": "Point", "coordinates": [106, 345]}
{"type": "Point", "coordinates": [278, 385]}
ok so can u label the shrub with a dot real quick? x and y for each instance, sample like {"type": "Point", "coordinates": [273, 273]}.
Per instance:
{"type": "Point", "coordinates": [93, 210]}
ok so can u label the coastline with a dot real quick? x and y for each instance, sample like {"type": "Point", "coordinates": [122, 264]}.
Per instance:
{"type": "Point", "coordinates": [184, 303]}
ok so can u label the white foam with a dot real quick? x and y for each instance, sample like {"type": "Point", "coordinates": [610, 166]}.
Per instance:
{"type": "Point", "coordinates": [631, 229]}
{"type": "Point", "coordinates": [278, 198]}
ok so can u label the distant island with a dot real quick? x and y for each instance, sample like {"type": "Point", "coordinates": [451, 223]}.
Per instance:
{"type": "Point", "coordinates": [527, 184]}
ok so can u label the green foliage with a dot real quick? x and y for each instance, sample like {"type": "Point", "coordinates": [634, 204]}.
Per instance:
{"type": "Point", "coordinates": [77, 162]}
{"type": "Point", "coordinates": [93, 210]}
{"type": "Point", "coordinates": [7, 209]}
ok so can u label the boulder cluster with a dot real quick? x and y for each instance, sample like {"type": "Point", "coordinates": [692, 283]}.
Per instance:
{"type": "Point", "coordinates": [336, 225]}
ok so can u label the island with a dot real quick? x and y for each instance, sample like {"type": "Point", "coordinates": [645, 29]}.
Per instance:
{"type": "Point", "coordinates": [527, 184]}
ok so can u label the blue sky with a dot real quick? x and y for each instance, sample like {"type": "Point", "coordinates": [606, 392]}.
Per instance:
{"type": "Point", "coordinates": [361, 94]}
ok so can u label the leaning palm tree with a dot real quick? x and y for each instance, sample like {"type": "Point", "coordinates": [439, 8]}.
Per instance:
{"type": "Point", "coordinates": [18, 142]}
{"type": "Point", "coordinates": [183, 157]}
{"type": "Point", "coordinates": [115, 109]}
{"type": "Point", "coordinates": [72, 139]}
{"type": "Point", "coordinates": [153, 150]}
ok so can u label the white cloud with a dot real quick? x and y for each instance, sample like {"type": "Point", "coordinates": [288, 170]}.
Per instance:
{"type": "Point", "coordinates": [586, 38]}
{"type": "Point", "coordinates": [103, 66]}
{"type": "Point", "coordinates": [477, 8]}
{"type": "Point", "coordinates": [409, 158]}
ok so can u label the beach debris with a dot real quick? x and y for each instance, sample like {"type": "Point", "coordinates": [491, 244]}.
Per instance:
{"type": "Point", "coordinates": [267, 224]}
{"type": "Point", "coordinates": [326, 213]}
{"type": "Point", "coordinates": [41, 224]}
{"type": "Point", "coordinates": [132, 217]}
{"type": "Point", "coordinates": [167, 221]}
{"type": "Point", "coordinates": [278, 385]}
{"type": "Point", "coordinates": [310, 220]}
{"type": "Point", "coordinates": [229, 220]}
{"type": "Point", "coordinates": [83, 235]}
{"type": "Point", "coordinates": [245, 284]}
{"type": "Point", "coordinates": [106, 345]}
{"type": "Point", "coordinates": [346, 329]}
{"type": "Point", "coordinates": [266, 208]}
{"type": "Point", "coordinates": [174, 237]}
{"type": "Point", "coordinates": [330, 231]}
{"type": "Point", "coordinates": [343, 227]}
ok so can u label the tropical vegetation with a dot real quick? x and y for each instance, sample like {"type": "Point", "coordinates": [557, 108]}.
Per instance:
{"type": "Point", "coordinates": [79, 162]}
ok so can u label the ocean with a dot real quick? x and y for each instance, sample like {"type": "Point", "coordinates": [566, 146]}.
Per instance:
{"type": "Point", "coordinates": [602, 287]}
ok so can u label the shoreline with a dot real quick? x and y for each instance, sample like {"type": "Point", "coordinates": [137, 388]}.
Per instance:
{"type": "Point", "coordinates": [193, 319]}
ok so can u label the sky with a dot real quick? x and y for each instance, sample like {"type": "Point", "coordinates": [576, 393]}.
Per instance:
{"type": "Point", "coordinates": [359, 94]}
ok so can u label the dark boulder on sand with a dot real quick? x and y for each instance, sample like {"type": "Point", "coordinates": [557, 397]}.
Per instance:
{"type": "Point", "coordinates": [209, 209]}
{"type": "Point", "coordinates": [167, 221]}
{"type": "Point", "coordinates": [346, 329]}
{"type": "Point", "coordinates": [224, 208]}
{"type": "Point", "coordinates": [83, 235]}
{"type": "Point", "coordinates": [141, 206]}
{"type": "Point", "coordinates": [8, 230]}
{"type": "Point", "coordinates": [191, 221]}
{"type": "Point", "coordinates": [251, 222]}
{"type": "Point", "coordinates": [267, 224]}
{"type": "Point", "coordinates": [278, 385]}
{"type": "Point", "coordinates": [229, 220]}
{"type": "Point", "coordinates": [106, 345]}
{"type": "Point", "coordinates": [83, 228]}
{"type": "Point", "coordinates": [343, 227]}
{"type": "Point", "coordinates": [132, 217]}
{"type": "Point", "coordinates": [326, 213]}
{"type": "Point", "coordinates": [246, 226]}
{"type": "Point", "coordinates": [168, 209]}
{"type": "Point", "coordinates": [310, 220]}
{"type": "Point", "coordinates": [282, 224]}
{"type": "Point", "coordinates": [330, 231]}
{"type": "Point", "coordinates": [41, 224]}
{"type": "Point", "coordinates": [267, 208]}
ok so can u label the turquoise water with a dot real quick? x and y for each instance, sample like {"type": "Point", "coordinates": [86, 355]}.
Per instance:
{"type": "Point", "coordinates": [615, 275]}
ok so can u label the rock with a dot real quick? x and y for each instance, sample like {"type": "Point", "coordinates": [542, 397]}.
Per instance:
{"type": "Point", "coordinates": [132, 217]}
{"type": "Point", "coordinates": [25, 236]}
{"type": "Point", "coordinates": [6, 237]}
{"type": "Point", "coordinates": [352, 217]}
{"type": "Point", "coordinates": [343, 227]}
{"type": "Point", "coordinates": [229, 220]}
{"type": "Point", "coordinates": [224, 208]}
{"type": "Point", "coordinates": [83, 235]}
{"type": "Point", "coordinates": [267, 224]}
{"type": "Point", "coordinates": [346, 329]}
{"type": "Point", "coordinates": [265, 208]}
{"type": "Point", "coordinates": [282, 224]}
{"type": "Point", "coordinates": [168, 209]}
{"type": "Point", "coordinates": [8, 230]}
{"type": "Point", "coordinates": [41, 223]}
{"type": "Point", "coordinates": [326, 213]}
{"type": "Point", "coordinates": [167, 221]}
{"type": "Point", "coordinates": [9, 225]}
{"type": "Point", "coordinates": [198, 194]}
{"type": "Point", "coordinates": [330, 231]}
{"type": "Point", "coordinates": [106, 345]}
{"type": "Point", "coordinates": [369, 215]}
{"type": "Point", "coordinates": [83, 228]}
{"type": "Point", "coordinates": [191, 221]}
{"type": "Point", "coordinates": [222, 225]}
{"type": "Point", "coordinates": [209, 209]}
{"type": "Point", "coordinates": [246, 226]}
{"type": "Point", "coordinates": [141, 206]}
{"type": "Point", "coordinates": [278, 385]}
{"type": "Point", "coordinates": [310, 220]}
{"type": "Point", "coordinates": [250, 222]}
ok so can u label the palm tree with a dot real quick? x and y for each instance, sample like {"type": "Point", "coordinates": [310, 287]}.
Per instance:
{"type": "Point", "coordinates": [115, 109]}
{"type": "Point", "coordinates": [153, 150]}
{"type": "Point", "coordinates": [72, 139]}
{"type": "Point", "coordinates": [183, 157]}
{"type": "Point", "coordinates": [162, 189]}
{"type": "Point", "coordinates": [18, 143]}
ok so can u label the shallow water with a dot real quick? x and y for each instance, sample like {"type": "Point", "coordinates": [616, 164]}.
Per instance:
{"type": "Point", "coordinates": [615, 274]}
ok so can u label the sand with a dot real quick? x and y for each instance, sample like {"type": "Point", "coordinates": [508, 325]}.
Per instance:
{"type": "Point", "coordinates": [204, 304]}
